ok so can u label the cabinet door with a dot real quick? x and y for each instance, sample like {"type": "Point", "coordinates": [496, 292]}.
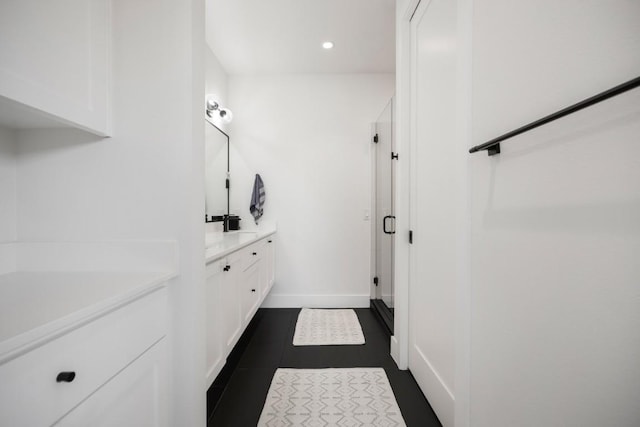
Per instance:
{"type": "Point", "coordinates": [271, 262]}
{"type": "Point", "coordinates": [55, 58]}
{"type": "Point", "coordinates": [265, 249]}
{"type": "Point", "coordinates": [136, 397]}
{"type": "Point", "coordinates": [250, 285]}
{"type": "Point", "coordinates": [215, 355]}
{"type": "Point", "coordinates": [230, 305]}
{"type": "Point", "coordinates": [30, 394]}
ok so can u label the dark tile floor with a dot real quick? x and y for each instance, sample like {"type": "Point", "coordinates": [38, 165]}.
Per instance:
{"type": "Point", "coordinates": [237, 396]}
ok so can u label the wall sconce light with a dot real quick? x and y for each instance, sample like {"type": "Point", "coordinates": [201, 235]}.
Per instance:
{"type": "Point", "coordinates": [213, 108]}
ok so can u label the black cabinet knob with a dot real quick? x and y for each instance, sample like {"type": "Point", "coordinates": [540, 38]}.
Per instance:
{"type": "Point", "coordinates": [65, 377]}
{"type": "Point", "coordinates": [255, 253]}
{"type": "Point", "coordinates": [253, 290]}
{"type": "Point", "coordinates": [227, 268]}
{"type": "Point", "coordinates": [269, 241]}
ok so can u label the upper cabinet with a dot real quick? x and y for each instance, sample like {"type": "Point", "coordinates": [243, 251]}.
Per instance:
{"type": "Point", "coordinates": [55, 62]}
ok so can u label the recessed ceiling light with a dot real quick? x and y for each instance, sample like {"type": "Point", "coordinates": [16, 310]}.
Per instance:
{"type": "Point", "coordinates": [327, 45]}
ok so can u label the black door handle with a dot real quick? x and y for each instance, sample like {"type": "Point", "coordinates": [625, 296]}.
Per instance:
{"type": "Point", "coordinates": [384, 224]}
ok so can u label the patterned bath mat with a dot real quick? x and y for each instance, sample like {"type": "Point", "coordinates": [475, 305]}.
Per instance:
{"type": "Point", "coordinates": [330, 397]}
{"type": "Point", "coordinates": [328, 327]}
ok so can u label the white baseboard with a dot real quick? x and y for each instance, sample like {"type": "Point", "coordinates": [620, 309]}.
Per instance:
{"type": "Point", "coordinates": [316, 301]}
{"type": "Point", "coordinates": [214, 371]}
{"type": "Point", "coordinates": [434, 388]}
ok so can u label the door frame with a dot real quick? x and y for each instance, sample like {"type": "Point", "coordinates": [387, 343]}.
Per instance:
{"type": "Point", "coordinates": [400, 339]}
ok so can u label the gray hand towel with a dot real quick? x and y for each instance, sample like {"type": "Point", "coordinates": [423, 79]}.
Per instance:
{"type": "Point", "coordinates": [257, 199]}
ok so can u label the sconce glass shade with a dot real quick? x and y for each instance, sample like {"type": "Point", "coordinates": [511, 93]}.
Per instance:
{"type": "Point", "coordinates": [211, 102]}
{"type": "Point", "coordinates": [212, 105]}
{"type": "Point", "coordinates": [226, 115]}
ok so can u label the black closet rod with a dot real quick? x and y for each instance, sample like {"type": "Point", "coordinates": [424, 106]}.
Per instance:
{"type": "Point", "coordinates": [493, 146]}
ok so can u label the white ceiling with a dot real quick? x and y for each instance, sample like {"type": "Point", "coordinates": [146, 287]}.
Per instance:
{"type": "Point", "coordinates": [285, 36]}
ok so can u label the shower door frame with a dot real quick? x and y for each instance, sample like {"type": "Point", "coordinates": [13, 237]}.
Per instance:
{"type": "Point", "coordinates": [383, 227]}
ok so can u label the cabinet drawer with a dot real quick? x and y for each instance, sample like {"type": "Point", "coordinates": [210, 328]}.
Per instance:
{"type": "Point", "coordinates": [136, 397]}
{"type": "Point", "coordinates": [251, 254]}
{"type": "Point", "coordinates": [29, 393]}
{"type": "Point", "coordinates": [215, 267]}
{"type": "Point", "coordinates": [233, 260]}
{"type": "Point", "coordinates": [250, 288]}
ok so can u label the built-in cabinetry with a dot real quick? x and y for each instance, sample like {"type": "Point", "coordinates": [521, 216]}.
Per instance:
{"type": "Point", "coordinates": [230, 298]}
{"type": "Point", "coordinates": [137, 396]}
{"type": "Point", "coordinates": [270, 271]}
{"type": "Point", "coordinates": [95, 361]}
{"type": "Point", "coordinates": [55, 64]}
{"type": "Point", "coordinates": [238, 280]}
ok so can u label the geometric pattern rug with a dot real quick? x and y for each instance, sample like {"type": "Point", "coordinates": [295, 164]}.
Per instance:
{"type": "Point", "coordinates": [330, 397]}
{"type": "Point", "coordinates": [327, 327]}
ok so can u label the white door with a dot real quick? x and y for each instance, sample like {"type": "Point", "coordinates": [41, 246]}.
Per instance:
{"type": "Point", "coordinates": [433, 216]}
{"type": "Point", "coordinates": [385, 215]}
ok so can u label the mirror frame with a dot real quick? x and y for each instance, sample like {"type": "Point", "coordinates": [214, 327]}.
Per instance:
{"type": "Point", "coordinates": [225, 217]}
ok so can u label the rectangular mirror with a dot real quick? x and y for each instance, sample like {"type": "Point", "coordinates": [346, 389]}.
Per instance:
{"type": "Point", "coordinates": [216, 172]}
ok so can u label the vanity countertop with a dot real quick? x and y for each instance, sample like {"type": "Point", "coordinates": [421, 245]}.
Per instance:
{"type": "Point", "coordinates": [37, 306]}
{"type": "Point", "coordinates": [219, 245]}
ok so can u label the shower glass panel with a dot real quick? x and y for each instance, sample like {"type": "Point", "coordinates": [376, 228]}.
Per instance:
{"type": "Point", "coordinates": [385, 214]}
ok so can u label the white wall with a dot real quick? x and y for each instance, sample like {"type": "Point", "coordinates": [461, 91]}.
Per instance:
{"type": "Point", "coordinates": [7, 186]}
{"type": "Point", "coordinates": [145, 183]}
{"type": "Point", "coordinates": [309, 137]}
{"type": "Point", "coordinates": [216, 82]}
{"type": "Point", "coordinates": [555, 217]}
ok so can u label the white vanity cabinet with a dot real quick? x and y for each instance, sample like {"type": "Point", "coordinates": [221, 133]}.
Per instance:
{"type": "Point", "coordinates": [270, 257]}
{"type": "Point", "coordinates": [251, 287]}
{"type": "Point", "coordinates": [108, 368]}
{"type": "Point", "coordinates": [55, 64]}
{"type": "Point", "coordinates": [215, 274]}
{"type": "Point", "coordinates": [229, 302]}
{"type": "Point", "coordinates": [237, 283]}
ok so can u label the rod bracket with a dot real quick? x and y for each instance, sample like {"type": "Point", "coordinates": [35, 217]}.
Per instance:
{"type": "Point", "coordinates": [493, 150]}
